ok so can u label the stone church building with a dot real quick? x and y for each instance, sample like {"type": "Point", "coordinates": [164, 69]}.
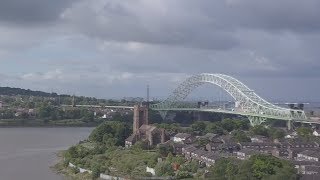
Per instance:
{"type": "Point", "coordinates": [142, 131]}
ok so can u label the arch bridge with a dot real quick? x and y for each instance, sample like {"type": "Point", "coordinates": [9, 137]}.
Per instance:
{"type": "Point", "coordinates": [249, 104]}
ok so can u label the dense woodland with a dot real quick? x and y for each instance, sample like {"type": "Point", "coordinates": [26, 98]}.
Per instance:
{"type": "Point", "coordinates": [17, 97]}
{"type": "Point", "coordinates": [27, 92]}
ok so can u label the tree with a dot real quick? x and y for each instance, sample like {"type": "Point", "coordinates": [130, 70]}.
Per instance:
{"type": "Point", "coordinates": [164, 169]}
{"type": "Point", "coordinates": [231, 170]}
{"type": "Point", "coordinates": [277, 133]}
{"type": "Point", "coordinates": [214, 128]}
{"type": "Point", "coordinates": [140, 145]}
{"type": "Point", "coordinates": [241, 124]}
{"type": "Point", "coordinates": [87, 115]}
{"type": "Point", "coordinates": [198, 126]}
{"type": "Point", "coordinates": [95, 171]}
{"type": "Point", "coordinates": [304, 132]}
{"type": "Point", "coordinates": [219, 169]}
{"type": "Point", "coordinates": [109, 140]}
{"type": "Point", "coordinates": [192, 167]}
{"type": "Point", "coordinates": [183, 175]}
{"type": "Point", "coordinates": [113, 133]}
{"type": "Point", "coordinates": [240, 136]}
{"type": "Point", "coordinates": [228, 124]}
{"type": "Point", "coordinates": [257, 167]}
{"type": "Point", "coordinates": [260, 130]}
{"type": "Point", "coordinates": [72, 152]}
{"type": "Point", "coordinates": [164, 150]}
{"type": "Point", "coordinates": [45, 110]}
{"type": "Point", "coordinates": [202, 142]}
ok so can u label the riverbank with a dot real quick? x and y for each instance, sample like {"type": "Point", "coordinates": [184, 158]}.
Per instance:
{"type": "Point", "coordinates": [67, 172]}
{"type": "Point", "coordinates": [50, 123]}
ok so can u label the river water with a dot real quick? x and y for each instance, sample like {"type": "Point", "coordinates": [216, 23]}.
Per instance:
{"type": "Point", "coordinates": [28, 153]}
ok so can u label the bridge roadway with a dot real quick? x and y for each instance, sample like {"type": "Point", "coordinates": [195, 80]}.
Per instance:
{"type": "Point", "coordinates": [98, 106]}
{"type": "Point", "coordinates": [308, 121]}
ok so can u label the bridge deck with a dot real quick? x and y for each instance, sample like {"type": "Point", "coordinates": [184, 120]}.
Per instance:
{"type": "Point", "coordinates": [98, 106]}
{"type": "Point", "coordinates": [237, 113]}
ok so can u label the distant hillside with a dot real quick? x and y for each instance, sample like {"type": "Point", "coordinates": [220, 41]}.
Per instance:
{"type": "Point", "coordinates": [27, 92]}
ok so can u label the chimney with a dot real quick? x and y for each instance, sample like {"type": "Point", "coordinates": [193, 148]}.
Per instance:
{"type": "Point", "coordinates": [163, 136]}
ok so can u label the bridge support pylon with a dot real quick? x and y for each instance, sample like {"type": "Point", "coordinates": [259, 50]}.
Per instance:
{"type": "Point", "coordinates": [289, 125]}
{"type": "Point", "coordinates": [255, 121]}
{"type": "Point", "coordinates": [163, 114]}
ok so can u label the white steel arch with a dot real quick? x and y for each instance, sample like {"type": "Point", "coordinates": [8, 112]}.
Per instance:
{"type": "Point", "coordinates": [248, 100]}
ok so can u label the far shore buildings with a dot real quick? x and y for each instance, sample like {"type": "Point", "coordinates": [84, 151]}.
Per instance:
{"type": "Point", "coordinates": [142, 131]}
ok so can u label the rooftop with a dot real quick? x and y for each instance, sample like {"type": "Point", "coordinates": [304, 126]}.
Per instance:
{"type": "Point", "coordinates": [249, 151]}
{"type": "Point", "coordinates": [199, 152]}
{"type": "Point", "coordinates": [146, 128]}
{"type": "Point", "coordinates": [182, 135]}
{"type": "Point", "coordinates": [311, 153]}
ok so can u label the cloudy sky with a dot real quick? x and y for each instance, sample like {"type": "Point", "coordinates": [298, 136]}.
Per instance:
{"type": "Point", "coordinates": [114, 48]}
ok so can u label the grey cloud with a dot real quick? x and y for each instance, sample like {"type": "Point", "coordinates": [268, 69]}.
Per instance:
{"type": "Point", "coordinates": [29, 12]}
{"type": "Point", "coordinates": [119, 46]}
{"type": "Point", "coordinates": [290, 15]}
{"type": "Point", "coordinates": [201, 24]}
{"type": "Point", "coordinates": [125, 22]}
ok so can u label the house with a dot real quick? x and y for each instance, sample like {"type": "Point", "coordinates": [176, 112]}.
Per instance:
{"type": "Point", "coordinates": [130, 141]}
{"type": "Point", "coordinates": [210, 158]}
{"type": "Point", "coordinates": [186, 151]}
{"type": "Point", "coordinates": [226, 139]}
{"type": "Point", "coordinates": [267, 150]}
{"type": "Point", "coordinates": [292, 135]}
{"type": "Point", "coordinates": [196, 155]}
{"type": "Point", "coordinates": [310, 169]}
{"type": "Point", "coordinates": [180, 137]}
{"type": "Point", "coordinates": [309, 177]}
{"type": "Point", "coordinates": [104, 116]}
{"type": "Point", "coordinates": [283, 144]}
{"type": "Point", "coordinates": [209, 136]}
{"type": "Point", "coordinates": [177, 148]}
{"type": "Point", "coordinates": [258, 139]}
{"type": "Point", "coordinates": [257, 146]}
{"type": "Point", "coordinates": [316, 132]}
{"type": "Point", "coordinates": [212, 147]}
{"type": "Point", "coordinates": [246, 153]}
{"type": "Point", "coordinates": [293, 152]}
{"type": "Point", "coordinates": [297, 143]}
{"type": "Point", "coordinates": [308, 155]}
{"type": "Point", "coordinates": [307, 167]}
{"type": "Point", "coordinates": [230, 147]}
{"type": "Point", "coordinates": [302, 144]}
{"type": "Point", "coordinates": [280, 153]}
{"type": "Point", "coordinates": [216, 141]}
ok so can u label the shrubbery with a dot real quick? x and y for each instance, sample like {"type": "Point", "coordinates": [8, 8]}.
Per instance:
{"type": "Point", "coordinates": [257, 167]}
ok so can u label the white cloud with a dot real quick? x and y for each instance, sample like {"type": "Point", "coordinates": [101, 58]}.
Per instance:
{"type": "Point", "coordinates": [128, 46]}
{"type": "Point", "coordinates": [51, 75]}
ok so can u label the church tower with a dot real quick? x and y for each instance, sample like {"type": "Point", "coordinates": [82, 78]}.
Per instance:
{"type": "Point", "coordinates": [140, 117]}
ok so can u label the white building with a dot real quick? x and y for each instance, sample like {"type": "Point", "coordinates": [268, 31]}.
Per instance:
{"type": "Point", "coordinates": [316, 133]}
{"type": "Point", "coordinates": [308, 155]}
{"type": "Point", "coordinates": [180, 137]}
